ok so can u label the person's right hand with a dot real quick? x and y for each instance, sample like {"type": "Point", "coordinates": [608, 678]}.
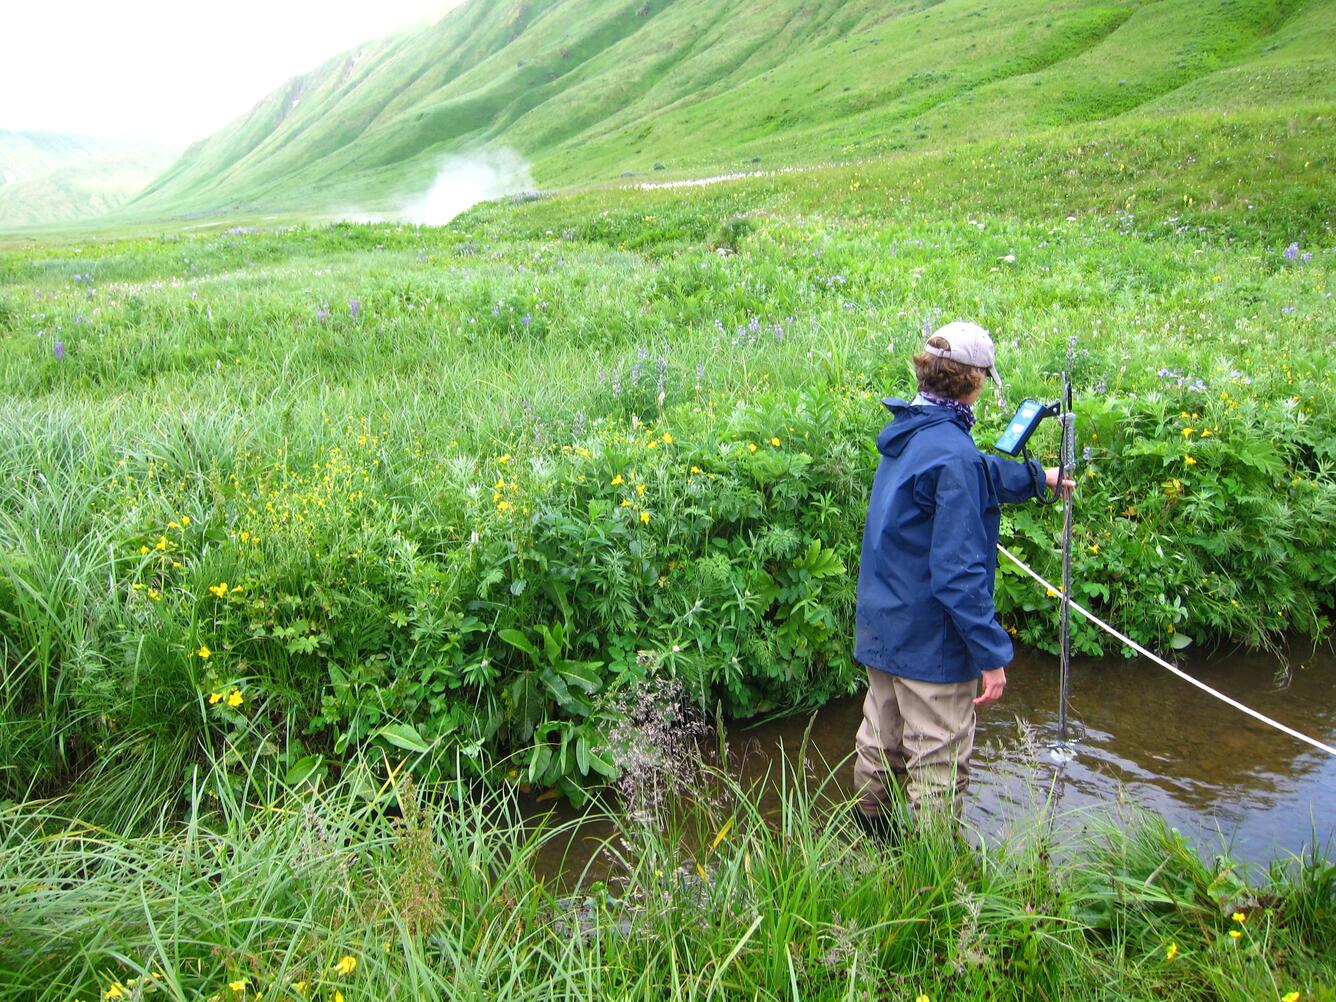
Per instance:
{"type": "Point", "coordinates": [993, 683]}
{"type": "Point", "coordinates": [1051, 478]}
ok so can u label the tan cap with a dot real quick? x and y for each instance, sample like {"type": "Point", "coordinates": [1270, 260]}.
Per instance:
{"type": "Point", "coordinates": [968, 344]}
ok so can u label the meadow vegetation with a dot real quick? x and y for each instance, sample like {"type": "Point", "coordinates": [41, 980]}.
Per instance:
{"type": "Point", "coordinates": [431, 893]}
{"type": "Point", "coordinates": [279, 503]}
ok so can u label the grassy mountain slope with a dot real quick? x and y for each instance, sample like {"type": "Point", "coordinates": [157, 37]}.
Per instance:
{"type": "Point", "coordinates": [82, 190]}
{"type": "Point", "coordinates": [49, 177]}
{"type": "Point", "coordinates": [25, 155]}
{"type": "Point", "coordinates": [590, 89]}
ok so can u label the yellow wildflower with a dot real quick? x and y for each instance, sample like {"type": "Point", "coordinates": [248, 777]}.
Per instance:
{"type": "Point", "coordinates": [618, 480]}
{"type": "Point", "coordinates": [154, 594]}
{"type": "Point", "coordinates": [1094, 548]}
{"type": "Point", "coordinates": [626, 503]}
{"type": "Point", "coordinates": [116, 991]}
{"type": "Point", "coordinates": [504, 459]}
{"type": "Point", "coordinates": [237, 588]}
{"type": "Point", "coordinates": [1234, 934]}
{"type": "Point", "coordinates": [775, 442]}
{"type": "Point", "coordinates": [143, 549]}
{"type": "Point", "coordinates": [239, 985]}
{"type": "Point", "coordinates": [1239, 917]}
{"type": "Point", "coordinates": [161, 544]}
{"type": "Point", "coordinates": [338, 996]}
{"type": "Point", "coordinates": [640, 489]}
{"type": "Point", "coordinates": [220, 589]}
{"type": "Point", "coordinates": [922, 998]}
{"type": "Point", "coordinates": [1171, 951]}
{"type": "Point", "coordinates": [644, 517]}
{"type": "Point", "coordinates": [136, 587]}
{"type": "Point", "coordinates": [1189, 432]}
{"type": "Point", "coordinates": [173, 525]}
{"type": "Point", "coordinates": [214, 697]}
{"type": "Point", "coordinates": [185, 519]}
{"type": "Point", "coordinates": [1290, 997]}
{"type": "Point", "coordinates": [667, 439]}
{"type": "Point", "coordinates": [299, 987]}
{"type": "Point", "coordinates": [1190, 461]}
{"type": "Point", "coordinates": [751, 446]}
{"type": "Point", "coordinates": [695, 469]}
{"type": "Point", "coordinates": [234, 700]}
{"type": "Point", "coordinates": [503, 506]}
{"type": "Point", "coordinates": [1206, 433]}
{"type": "Point", "coordinates": [245, 536]}
{"type": "Point", "coordinates": [346, 965]}
{"type": "Point", "coordinates": [204, 651]}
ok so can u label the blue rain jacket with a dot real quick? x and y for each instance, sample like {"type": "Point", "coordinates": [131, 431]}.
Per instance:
{"type": "Point", "coordinates": [925, 582]}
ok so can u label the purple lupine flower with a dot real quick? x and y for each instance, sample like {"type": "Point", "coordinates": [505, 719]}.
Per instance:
{"type": "Point", "coordinates": [527, 319]}
{"type": "Point", "coordinates": [58, 349]}
{"type": "Point", "coordinates": [1292, 251]}
{"type": "Point", "coordinates": [322, 312]}
{"type": "Point", "coordinates": [355, 307]}
{"type": "Point", "coordinates": [1287, 309]}
{"type": "Point", "coordinates": [1306, 257]}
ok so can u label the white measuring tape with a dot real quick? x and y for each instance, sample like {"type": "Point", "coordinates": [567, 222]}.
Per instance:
{"type": "Point", "coordinates": [1165, 664]}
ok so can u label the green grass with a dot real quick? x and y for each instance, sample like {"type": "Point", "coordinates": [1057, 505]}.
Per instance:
{"type": "Point", "coordinates": [376, 885]}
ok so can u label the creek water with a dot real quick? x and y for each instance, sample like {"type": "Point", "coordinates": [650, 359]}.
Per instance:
{"type": "Point", "coordinates": [1143, 739]}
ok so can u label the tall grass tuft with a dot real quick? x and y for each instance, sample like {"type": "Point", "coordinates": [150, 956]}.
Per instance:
{"type": "Point", "coordinates": [377, 885]}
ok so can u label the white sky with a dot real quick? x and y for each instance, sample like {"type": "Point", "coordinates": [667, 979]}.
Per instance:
{"type": "Point", "coordinates": [171, 71]}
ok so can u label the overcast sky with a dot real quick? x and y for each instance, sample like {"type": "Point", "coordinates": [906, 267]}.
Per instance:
{"type": "Point", "coordinates": [171, 71]}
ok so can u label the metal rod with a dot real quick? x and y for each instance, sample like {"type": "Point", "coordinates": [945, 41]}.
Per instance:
{"type": "Point", "coordinates": [1066, 468]}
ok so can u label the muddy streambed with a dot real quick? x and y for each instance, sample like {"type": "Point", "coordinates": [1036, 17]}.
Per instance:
{"type": "Point", "coordinates": [1143, 738]}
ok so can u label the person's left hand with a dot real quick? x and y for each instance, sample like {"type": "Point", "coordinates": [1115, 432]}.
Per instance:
{"type": "Point", "coordinates": [1051, 478]}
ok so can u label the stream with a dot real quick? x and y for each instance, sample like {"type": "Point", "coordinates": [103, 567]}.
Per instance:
{"type": "Point", "coordinates": [1143, 737]}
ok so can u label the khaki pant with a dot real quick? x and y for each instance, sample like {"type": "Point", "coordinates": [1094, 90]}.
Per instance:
{"type": "Point", "coordinates": [916, 736]}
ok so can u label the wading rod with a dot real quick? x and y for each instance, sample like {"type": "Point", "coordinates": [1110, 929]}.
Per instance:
{"type": "Point", "coordinates": [1066, 468]}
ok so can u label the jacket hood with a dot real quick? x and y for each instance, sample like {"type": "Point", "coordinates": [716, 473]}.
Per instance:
{"type": "Point", "coordinates": [907, 421]}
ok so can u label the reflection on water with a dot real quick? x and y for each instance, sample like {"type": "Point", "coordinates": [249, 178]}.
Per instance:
{"type": "Point", "coordinates": [1142, 737]}
{"type": "Point", "coordinates": [1217, 775]}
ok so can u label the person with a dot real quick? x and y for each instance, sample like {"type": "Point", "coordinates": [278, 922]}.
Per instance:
{"type": "Point", "coordinates": [926, 628]}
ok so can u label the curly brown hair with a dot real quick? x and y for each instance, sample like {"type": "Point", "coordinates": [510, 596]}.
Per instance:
{"type": "Point", "coordinates": [945, 377]}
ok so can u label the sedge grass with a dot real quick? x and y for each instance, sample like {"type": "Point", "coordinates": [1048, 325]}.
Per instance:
{"type": "Point", "coordinates": [440, 894]}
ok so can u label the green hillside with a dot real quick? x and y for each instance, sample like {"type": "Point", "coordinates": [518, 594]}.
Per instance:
{"type": "Point", "coordinates": [26, 155]}
{"type": "Point", "coordinates": [588, 90]}
{"type": "Point", "coordinates": [85, 188]}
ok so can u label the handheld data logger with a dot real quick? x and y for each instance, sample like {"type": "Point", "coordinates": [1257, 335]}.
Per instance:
{"type": "Point", "coordinates": [1022, 425]}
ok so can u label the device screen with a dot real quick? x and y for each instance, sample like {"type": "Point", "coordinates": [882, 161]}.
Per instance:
{"type": "Point", "coordinates": [1019, 430]}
